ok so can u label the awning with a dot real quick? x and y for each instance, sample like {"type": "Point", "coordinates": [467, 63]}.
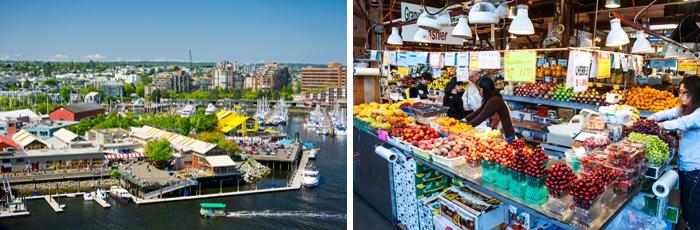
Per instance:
{"type": "Point", "coordinates": [123, 155]}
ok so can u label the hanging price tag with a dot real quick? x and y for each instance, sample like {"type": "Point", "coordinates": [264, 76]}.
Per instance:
{"type": "Point", "coordinates": [579, 70]}
{"type": "Point", "coordinates": [616, 87]}
{"type": "Point", "coordinates": [520, 65]}
{"type": "Point", "coordinates": [590, 84]}
{"type": "Point", "coordinates": [599, 85]}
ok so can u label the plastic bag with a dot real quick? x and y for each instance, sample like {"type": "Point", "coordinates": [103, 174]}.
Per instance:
{"type": "Point", "coordinates": [633, 219]}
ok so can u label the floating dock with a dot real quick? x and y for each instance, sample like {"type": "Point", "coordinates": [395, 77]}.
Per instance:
{"type": "Point", "coordinates": [102, 202]}
{"type": "Point", "coordinates": [53, 203]}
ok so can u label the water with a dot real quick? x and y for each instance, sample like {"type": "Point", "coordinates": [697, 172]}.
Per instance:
{"type": "Point", "coordinates": [323, 207]}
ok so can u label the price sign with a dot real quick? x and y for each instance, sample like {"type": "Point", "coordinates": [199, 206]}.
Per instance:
{"type": "Point", "coordinates": [603, 64]}
{"type": "Point", "coordinates": [520, 65]}
{"type": "Point", "coordinates": [473, 60]}
{"type": "Point", "coordinates": [579, 70]}
{"type": "Point", "coordinates": [616, 87]}
{"type": "Point", "coordinates": [403, 71]}
{"type": "Point", "coordinates": [687, 66]}
{"type": "Point", "coordinates": [590, 84]}
{"type": "Point", "coordinates": [599, 85]}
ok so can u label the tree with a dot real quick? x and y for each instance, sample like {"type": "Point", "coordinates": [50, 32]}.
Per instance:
{"type": "Point", "coordinates": [140, 89]}
{"type": "Point", "coordinates": [65, 93]}
{"type": "Point", "coordinates": [184, 125]}
{"type": "Point", "coordinates": [205, 122]}
{"type": "Point", "coordinates": [159, 150]}
{"type": "Point", "coordinates": [155, 96]}
{"type": "Point", "coordinates": [146, 79]}
{"type": "Point", "coordinates": [219, 139]}
{"type": "Point", "coordinates": [129, 89]}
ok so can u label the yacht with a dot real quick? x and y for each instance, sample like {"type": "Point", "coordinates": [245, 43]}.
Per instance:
{"type": "Point", "coordinates": [92, 195]}
{"type": "Point", "coordinates": [310, 176]}
{"type": "Point", "coordinates": [120, 193]}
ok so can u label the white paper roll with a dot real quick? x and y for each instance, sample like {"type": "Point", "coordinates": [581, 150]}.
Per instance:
{"type": "Point", "coordinates": [366, 71]}
{"type": "Point", "coordinates": [386, 154]}
{"type": "Point", "coordinates": [662, 187]}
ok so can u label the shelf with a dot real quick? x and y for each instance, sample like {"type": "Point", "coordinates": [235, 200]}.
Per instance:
{"type": "Point", "coordinates": [606, 207]}
{"type": "Point", "coordinates": [562, 104]}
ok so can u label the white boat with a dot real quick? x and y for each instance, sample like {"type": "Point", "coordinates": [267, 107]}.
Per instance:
{"type": "Point", "coordinates": [310, 176]}
{"type": "Point", "coordinates": [120, 193]}
{"type": "Point", "coordinates": [70, 195]}
{"type": "Point", "coordinates": [92, 195]}
{"type": "Point", "coordinates": [339, 130]}
{"type": "Point", "coordinates": [313, 153]}
{"type": "Point", "coordinates": [88, 196]}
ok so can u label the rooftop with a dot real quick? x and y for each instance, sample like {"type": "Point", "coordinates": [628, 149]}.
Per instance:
{"type": "Point", "coordinates": [220, 161]}
{"type": "Point", "coordinates": [83, 107]}
{"type": "Point", "coordinates": [19, 113]}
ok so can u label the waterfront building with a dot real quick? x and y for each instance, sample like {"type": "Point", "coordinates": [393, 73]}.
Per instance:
{"type": "Point", "coordinates": [114, 140]}
{"type": "Point", "coordinates": [46, 129]}
{"type": "Point", "coordinates": [93, 97]}
{"type": "Point", "coordinates": [234, 124]}
{"type": "Point", "coordinates": [188, 152]}
{"type": "Point", "coordinates": [328, 97]}
{"type": "Point", "coordinates": [76, 112]}
{"type": "Point", "coordinates": [332, 76]}
{"type": "Point", "coordinates": [179, 81]}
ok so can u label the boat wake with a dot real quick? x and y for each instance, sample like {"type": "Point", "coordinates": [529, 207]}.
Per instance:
{"type": "Point", "coordinates": [269, 213]}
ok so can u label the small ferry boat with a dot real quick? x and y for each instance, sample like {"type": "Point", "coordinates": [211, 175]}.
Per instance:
{"type": "Point", "coordinates": [207, 210]}
{"type": "Point", "coordinates": [120, 194]}
{"type": "Point", "coordinates": [310, 176]}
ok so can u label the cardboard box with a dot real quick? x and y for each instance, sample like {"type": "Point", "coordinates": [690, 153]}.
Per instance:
{"type": "Point", "coordinates": [566, 113]}
{"type": "Point", "coordinates": [521, 115]}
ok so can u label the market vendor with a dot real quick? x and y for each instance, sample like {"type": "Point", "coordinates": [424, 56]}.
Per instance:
{"type": "Point", "coordinates": [492, 103]}
{"type": "Point", "coordinates": [666, 83]}
{"type": "Point", "coordinates": [420, 90]}
{"type": "Point", "coordinates": [471, 99]}
{"type": "Point", "coordinates": [453, 99]}
{"type": "Point", "coordinates": [393, 90]}
{"type": "Point", "coordinates": [686, 119]}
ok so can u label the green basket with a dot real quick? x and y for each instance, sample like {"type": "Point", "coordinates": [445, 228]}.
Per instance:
{"type": "Point", "coordinates": [488, 171]}
{"type": "Point", "coordinates": [360, 124]}
{"type": "Point", "coordinates": [535, 192]}
{"type": "Point", "coordinates": [575, 165]}
{"type": "Point", "coordinates": [503, 177]}
{"type": "Point", "coordinates": [517, 184]}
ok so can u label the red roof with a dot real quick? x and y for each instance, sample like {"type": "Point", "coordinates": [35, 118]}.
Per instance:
{"type": "Point", "coordinates": [9, 141]}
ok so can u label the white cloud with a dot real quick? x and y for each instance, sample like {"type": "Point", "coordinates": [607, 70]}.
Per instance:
{"type": "Point", "coordinates": [58, 57]}
{"type": "Point", "coordinates": [5, 57]}
{"type": "Point", "coordinates": [94, 57]}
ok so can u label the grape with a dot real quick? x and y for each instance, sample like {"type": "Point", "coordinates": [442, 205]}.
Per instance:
{"type": "Point", "coordinates": [657, 150]}
{"type": "Point", "coordinates": [651, 128]}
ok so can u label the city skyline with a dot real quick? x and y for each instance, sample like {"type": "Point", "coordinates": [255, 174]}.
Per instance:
{"type": "Point", "coordinates": [130, 31]}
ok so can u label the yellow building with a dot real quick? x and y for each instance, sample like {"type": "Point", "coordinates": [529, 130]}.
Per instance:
{"type": "Point", "coordinates": [235, 124]}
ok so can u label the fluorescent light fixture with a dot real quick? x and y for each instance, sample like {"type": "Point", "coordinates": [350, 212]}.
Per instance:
{"type": "Point", "coordinates": [482, 13]}
{"type": "Point", "coordinates": [521, 24]}
{"type": "Point", "coordinates": [427, 22]}
{"type": "Point", "coordinates": [421, 35]}
{"type": "Point", "coordinates": [616, 36]}
{"type": "Point", "coordinates": [663, 27]}
{"type": "Point", "coordinates": [511, 12]}
{"type": "Point", "coordinates": [641, 45]}
{"type": "Point", "coordinates": [394, 37]}
{"type": "Point", "coordinates": [612, 4]}
{"type": "Point", "coordinates": [671, 51]}
{"type": "Point", "coordinates": [462, 29]}
{"type": "Point", "coordinates": [501, 11]}
{"type": "Point", "coordinates": [444, 20]}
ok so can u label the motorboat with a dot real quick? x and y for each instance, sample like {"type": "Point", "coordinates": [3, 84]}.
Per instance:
{"type": "Point", "coordinates": [313, 153]}
{"type": "Point", "coordinates": [92, 195]}
{"type": "Point", "coordinates": [311, 176]}
{"type": "Point", "coordinates": [88, 196]}
{"type": "Point", "coordinates": [207, 210]}
{"type": "Point", "coordinates": [120, 194]}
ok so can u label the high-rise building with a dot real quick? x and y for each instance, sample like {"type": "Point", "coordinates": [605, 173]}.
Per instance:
{"type": "Point", "coordinates": [178, 82]}
{"type": "Point", "coordinates": [332, 76]}
{"type": "Point", "coordinates": [224, 74]}
{"type": "Point", "coordinates": [270, 77]}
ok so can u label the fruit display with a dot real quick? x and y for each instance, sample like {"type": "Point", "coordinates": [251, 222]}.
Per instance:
{"type": "Point", "coordinates": [626, 154]}
{"type": "Point", "coordinates": [585, 189]}
{"type": "Point", "coordinates": [556, 71]}
{"type": "Point", "coordinates": [619, 114]}
{"type": "Point", "coordinates": [450, 147]}
{"type": "Point", "coordinates": [595, 124]}
{"type": "Point", "coordinates": [414, 134]}
{"type": "Point", "coordinates": [537, 163]}
{"type": "Point", "coordinates": [446, 121]}
{"type": "Point", "coordinates": [657, 150]}
{"type": "Point", "coordinates": [536, 90]}
{"type": "Point", "coordinates": [491, 134]}
{"type": "Point", "coordinates": [596, 142]}
{"type": "Point", "coordinates": [647, 98]}
{"type": "Point", "coordinates": [559, 176]}
{"type": "Point", "coordinates": [521, 154]}
{"type": "Point", "coordinates": [440, 82]}
{"type": "Point", "coordinates": [561, 93]}
{"type": "Point", "coordinates": [382, 116]}
{"type": "Point", "coordinates": [428, 110]}
{"type": "Point", "coordinates": [461, 128]}
{"type": "Point", "coordinates": [590, 96]}
{"type": "Point", "coordinates": [649, 127]}
{"type": "Point", "coordinates": [593, 161]}
{"type": "Point", "coordinates": [604, 176]}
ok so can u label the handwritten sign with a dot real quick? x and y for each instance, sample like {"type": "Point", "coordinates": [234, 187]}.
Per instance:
{"type": "Point", "coordinates": [462, 74]}
{"type": "Point", "coordinates": [687, 66]}
{"type": "Point", "coordinates": [520, 65]}
{"type": "Point", "coordinates": [450, 59]}
{"type": "Point", "coordinates": [382, 135]}
{"type": "Point", "coordinates": [666, 63]}
{"type": "Point", "coordinates": [435, 59]}
{"type": "Point", "coordinates": [403, 71]}
{"type": "Point", "coordinates": [489, 60]}
{"type": "Point", "coordinates": [473, 60]}
{"type": "Point", "coordinates": [402, 59]}
{"type": "Point", "coordinates": [603, 64]}
{"type": "Point", "coordinates": [462, 59]}
{"type": "Point", "coordinates": [579, 70]}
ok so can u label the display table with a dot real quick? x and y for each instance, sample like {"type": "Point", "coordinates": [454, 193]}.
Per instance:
{"type": "Point", "coordinates": [603, 211]}
{"type": "Point", "coordinates": [562, 104]}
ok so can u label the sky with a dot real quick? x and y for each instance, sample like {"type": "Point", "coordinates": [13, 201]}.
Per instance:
{"type": "Point", "coordinates": [283, 31]}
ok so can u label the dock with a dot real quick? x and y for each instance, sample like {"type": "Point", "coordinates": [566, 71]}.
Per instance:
{"type": "Point", "coordinates": [102, 202]}
{"type": "Point", "coordinates": [294, 185]}
{"type": "Point", "coordinates": [53, 203]}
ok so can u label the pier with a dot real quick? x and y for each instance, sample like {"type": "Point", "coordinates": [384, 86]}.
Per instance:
{"type": "Point", "coordinates": [102, 202]}
{"type": "Point", "coordinates": [53, 203]}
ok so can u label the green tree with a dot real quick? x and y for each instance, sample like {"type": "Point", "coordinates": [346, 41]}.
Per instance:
{"type": "Point", "coordinates": [155, 96]}
{"type": "Point", "coordinates": [146, 79]}
{"type": "Point", "coordinates": [65, 93]}
{"type": "Point", "coordinates": [115, 174]}
{"type": "Point", "coordinates": [219, 139]}
{"type": "Point", "coordinates": [159, 150]}
{"type": "Point", "coordinates": [184, 125]}
{"type": "Point", "coordinates": [205, 122]}
{"type": "Point", "coordinates": [139, 89]}
{"type": "Point", "coordinates": [129, 89]}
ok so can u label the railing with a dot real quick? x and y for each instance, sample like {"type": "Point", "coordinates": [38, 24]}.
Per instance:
{"type": "Point", "coordinates": [171, 188]}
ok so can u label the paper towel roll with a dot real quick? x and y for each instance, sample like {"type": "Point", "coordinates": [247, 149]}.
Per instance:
{"type": "Point", "coordinates": [662, 187]}
{"type": "Point", "coordinates": [366, 71]}
{"type": "Point", "coordinates": [386, 154]}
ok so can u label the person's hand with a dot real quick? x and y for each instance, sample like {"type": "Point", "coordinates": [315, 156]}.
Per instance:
{"type": "Point", "coordinates": [652, 117]}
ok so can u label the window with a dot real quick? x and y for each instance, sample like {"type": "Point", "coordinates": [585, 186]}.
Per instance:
{"type": "Point", "coordinates": [5, 160]}
{"type": "Point", "coordinates": [20, 160]}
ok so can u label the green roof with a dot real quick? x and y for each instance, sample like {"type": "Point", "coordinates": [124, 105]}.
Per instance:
{"type": "Point", "coordinates": [212, 205]}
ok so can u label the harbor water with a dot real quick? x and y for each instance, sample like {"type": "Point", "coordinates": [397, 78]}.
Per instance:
{"type": "Point", "coordinates": [322, 207]}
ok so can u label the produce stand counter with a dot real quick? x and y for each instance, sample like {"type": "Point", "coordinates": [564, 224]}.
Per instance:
{"type": "Point", "coordinates": [603, 210]}
{"type": "Point", "coordinates": [562, 104]}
